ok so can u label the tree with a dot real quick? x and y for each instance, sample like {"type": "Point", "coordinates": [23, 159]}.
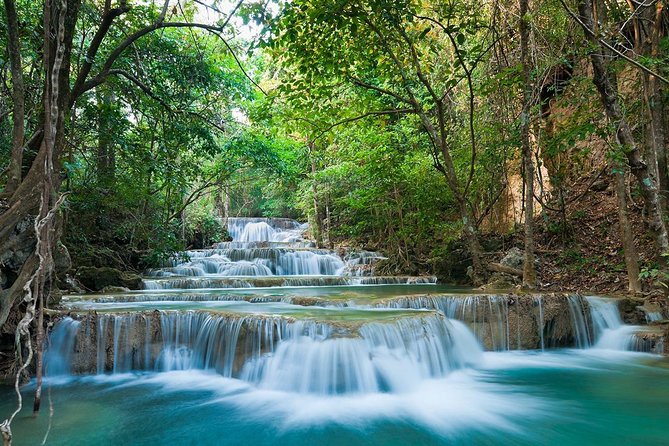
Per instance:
{"type": "Point", "coordinates": [529, 274]}
{"type": "Point", "coordinates": [29, 204]}
{"type": "Point", "coordinates": [608, 91]}
{"type": "Point", "coordinates": [407, 58]}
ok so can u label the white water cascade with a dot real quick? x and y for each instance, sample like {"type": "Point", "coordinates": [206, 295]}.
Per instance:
{"type": "Point", "coordinates": [59, 349]}
{"type": "Point", "coordinates": [609, 332]}
{"type": "Point", "coordinates": [269, 252]}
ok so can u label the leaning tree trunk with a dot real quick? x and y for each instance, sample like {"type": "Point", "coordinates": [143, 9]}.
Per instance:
{"type": "Point", "coordinates": [609, 97]}
{"type": "Point", "coordinates": [28, 219]}
{"type": "Point", "coordinates": [18, 99]}
{"type": "Point", "coordinates": [529, 273]}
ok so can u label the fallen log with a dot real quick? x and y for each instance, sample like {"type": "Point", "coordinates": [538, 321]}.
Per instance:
{"type": "Point", "coordinates": [499, 268]}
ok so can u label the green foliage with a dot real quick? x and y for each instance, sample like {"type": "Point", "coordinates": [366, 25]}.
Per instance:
{"type": "Point", "coordinates": [202, 227]}
{"type": "Point", "coordinates": [138, 161]}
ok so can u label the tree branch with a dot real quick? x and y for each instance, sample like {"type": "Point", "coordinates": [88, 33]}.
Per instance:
{"type": "Point", "coordinates": [361, 83]}
{"type": "Point", "coordinates": [362, 116]}
{"type": "Point", "coordinates": [141, 86]}
{"type": "Point", "coordinates": [107, 19]}
{"type": "Point", "coordinates": [610, 47]}
{"type": "Point", "coordinates": [104, 71]}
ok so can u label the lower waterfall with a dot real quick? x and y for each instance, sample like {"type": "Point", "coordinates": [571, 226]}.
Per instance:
{"type": "Point", "coordinates": [332, 356]}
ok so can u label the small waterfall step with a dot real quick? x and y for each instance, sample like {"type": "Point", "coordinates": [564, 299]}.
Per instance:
{"type": "Point", "coordinates": [612, 334]}
{"type": "Point", "coordinates": [211, 282]}
{"type": "Point", "coordinates": [539, 321]}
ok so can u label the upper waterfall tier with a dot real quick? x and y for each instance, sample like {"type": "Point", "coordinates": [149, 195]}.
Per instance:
{"type": "Point", "coordinates": [264, 247]}
{"type": "Point", "coordinates": [243, 229]}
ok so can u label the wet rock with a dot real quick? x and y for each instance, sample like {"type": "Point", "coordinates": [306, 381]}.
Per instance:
{"type": "Point", "coordinates": [55, 297]}
{"type": "Point", "coordinates": [95, 279]}
{"type": "Point", "coordinates": [501, 282]}
{"type": "Point", "coordinates": [71, 285]}
{"type": "Point", "coordinates": [631, 311]}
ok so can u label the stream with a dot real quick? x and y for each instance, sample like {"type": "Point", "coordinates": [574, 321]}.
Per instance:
{"type": "Point", "coordinates": [268, 340]}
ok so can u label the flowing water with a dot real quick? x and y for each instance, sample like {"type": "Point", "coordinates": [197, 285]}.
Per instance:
{"type": "Point", "coordinates": [264, 340]}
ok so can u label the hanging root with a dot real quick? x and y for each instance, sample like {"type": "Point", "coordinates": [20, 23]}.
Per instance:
{"type": "Point", "coordinates": [6, 431]}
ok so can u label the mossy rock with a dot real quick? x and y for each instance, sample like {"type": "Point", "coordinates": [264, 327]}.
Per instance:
{"type": "Point", "coordinates": [96, 279]}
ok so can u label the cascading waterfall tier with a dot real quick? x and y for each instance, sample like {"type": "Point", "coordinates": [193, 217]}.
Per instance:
{"type": "Point", "coordinates": [270, 248]}
{"type": "Point", "coordinates": [279, 353]}
{"type": "Point", "coordinates": [612, 334]}
{"type": "Point", "coordinates": [552, 320]}
{"type": "Point", "coordinates": [506, 322]}
{"type": "Point", "coordinates": [498, 322]}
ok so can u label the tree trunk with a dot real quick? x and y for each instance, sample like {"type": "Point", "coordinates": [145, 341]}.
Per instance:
{"type": "Point", "coordinates": [475, 250]}
{"type": "Point", "coordinates": [18, 99]}
{"type": "Point", "coordinates": [105, 159]}
{"type": "Point", "coordinates": [318, 217]}
{"type": "Point", "coordinates": [609, 97]}
{"type": "Point", "coordinates": [529, 273]}
{"type": "Point", "coordinates": [39, 359]}
{"type": "Point", "coordinates": [626, 237]}
{"type": "Point", "coordinates": [654, 107]}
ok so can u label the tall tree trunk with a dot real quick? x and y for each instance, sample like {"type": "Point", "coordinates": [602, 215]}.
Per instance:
{"type": "Point", "coordinates": [654, 107]}
{"type": "Point", "coordinates": [469, 229]}
{"type": "Point", "coordinates": [105, 157]}
{"type": "Point", "coordinates": [18, 99]}
{"type": "Point", "coordinates": [529, 273]}
{"type": "Point", "coordinates": [609, 97]}
{"type": "Point", "coordinates": [472, 240]}
{"type": "Point", "coordinates": [626, 237]}
{"type": "Point", "coordinates": [318, 217]}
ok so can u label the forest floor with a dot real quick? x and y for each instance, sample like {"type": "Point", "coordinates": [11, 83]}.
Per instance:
{"type": "Point", "coordinates": [588, 255]}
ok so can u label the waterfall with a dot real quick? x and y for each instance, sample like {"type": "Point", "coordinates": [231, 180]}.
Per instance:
{"type": "Point", "coordinates": [263, 248]}
{"type": "Point", "coordinates": [502, 322]}
{"type": "Point", "coordinates": [582, 332]}
{"type": "Point", "coordinates": [58, 356]}
{"type": "Point", "coordinates": [386, 358]}
{"type": "Point", "coordinates": [276, 352]}
{"type": "Point", "coordinates": [609, 331]}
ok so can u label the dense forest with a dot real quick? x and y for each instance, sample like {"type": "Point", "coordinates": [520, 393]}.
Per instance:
{"type": "Point", "coordinates": [504, 144]}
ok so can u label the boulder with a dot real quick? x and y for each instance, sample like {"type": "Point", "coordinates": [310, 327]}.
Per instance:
{"type": "Point", "coordinates": [500, 282]}
{"type": "Point", "coordinates": [514, 258]}
{"type": "Point", "coordinates": [62, 261]}
{"type": "Point", "coordinates": [95, 279]}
